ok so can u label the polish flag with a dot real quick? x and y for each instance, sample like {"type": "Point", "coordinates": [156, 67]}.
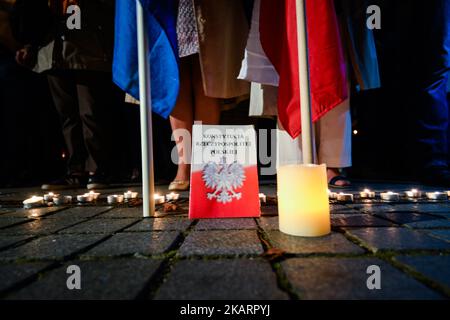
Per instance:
{"type": "Point", "coordinates": [328, 79]}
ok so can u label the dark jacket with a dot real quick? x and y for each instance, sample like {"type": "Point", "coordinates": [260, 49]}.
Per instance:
{"type": "Point", "coordinates": [359, 42]}
{"type": "Point", "coordinates": [90, 48]}
{"type": "Point", "coordinates": [7, 41]}
{"type": "Point", "coordinates": [223, 30]}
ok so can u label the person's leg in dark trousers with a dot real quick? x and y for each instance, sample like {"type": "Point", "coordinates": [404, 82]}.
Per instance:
{"type": "Point", "coordinates": [64, 92]}
{"type": "Point", "coordinates": [63, 89]}
{"type": "Point", "coordinates": [429, 102]}
{"type": "Point", "coordinates": [421, 67]}
{"type": "Point", "coordinates": [97, 99]}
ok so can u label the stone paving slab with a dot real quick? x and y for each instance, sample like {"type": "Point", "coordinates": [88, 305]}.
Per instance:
{"type": "Point", "coordinates": [404, 218]}
{"type": "Point", "coordinates": [337, 220]}
{"type": "Point", "coordinates": [430, 224]}
{"type": "Point", "coordinates": [100, 226]}
{"type": "Point", "coordinates": [226, 224]}
{"type": "Point", "coordinates": [13, 273]}
{"type": "Point", "coordinates": [229, 242]}
{"type": "Point", "coordinates": [5, 210]}
{"type": "Point", "coordinates": [441, 234]}
{"type": "Point", "coordinates": [434, 208]}
{"type": "Point", "coordinates": [42, 226]}
{"type": "Point", "coordinates": [397, 239]}
{"type": "Point", "coordinates": [226, 251]}
{"type": "Point", "coordinates": [161, 224]}
{"type": "Point", "coordinates": [333, 243]}
{"type": "Point", "coordinates": [159, 213]}
{"type": "Point", "coordinates": [10, 221]}
{"type": "Point", "coordinates": [238, 279]}
{"type": "Point", "coordinates": [436, 268]}
{"type": "Point", "coordinates": [340, 208]}
{"type": "Point", "coordinates": [81, 212]}
{"type": "Point", "coordinates": [32, 213]}
{"type": "Point", "coordinates": [110, 280]}
{"type": "Point", "coordinates": [53, 247]}
{"type": "Point", "coordinates": [268, 223]}
{"type": "Point", "coordinates": [376, 208]}
{"type": "Point", "coordinates": [364, 205]}
{"type": "Point", "coordinates": [130, 243]}
{"type": "Point", "coordinates": [8, 240]}
{"type": "Point", "coordinates": [119, 213]}
{"type": "Point", "coordinates": [358, 220]}
{"type": "Point", "coordinates": [406, 207]}
{"type": "Point", "coordinates": [346, 278]}
{"type": "Point", "coordinates": [445, 215]}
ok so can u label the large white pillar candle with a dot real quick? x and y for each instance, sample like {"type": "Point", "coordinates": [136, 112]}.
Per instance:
{"type": "Point", "coordinates": [303, 206]}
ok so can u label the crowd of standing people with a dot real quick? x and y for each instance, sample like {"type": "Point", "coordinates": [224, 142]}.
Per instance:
{"type": "Point", "coordinates": [223, 60]}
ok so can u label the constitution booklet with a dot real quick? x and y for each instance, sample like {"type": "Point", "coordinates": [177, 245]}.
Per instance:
{"type": "Point", "coordinates": [224, 173]}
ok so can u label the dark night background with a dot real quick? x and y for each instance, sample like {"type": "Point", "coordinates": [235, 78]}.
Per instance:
{"type": "Point", "coordinates": [32, 146]}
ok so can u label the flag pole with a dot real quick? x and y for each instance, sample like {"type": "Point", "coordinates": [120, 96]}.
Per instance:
{"type": "Point", "coordinates": [305, 93]}
{"type": "Point", "coordinates": [148, 185]}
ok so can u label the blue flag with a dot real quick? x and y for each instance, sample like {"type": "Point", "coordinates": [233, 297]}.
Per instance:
{"type": "Point", "coordinates": [160, 16]}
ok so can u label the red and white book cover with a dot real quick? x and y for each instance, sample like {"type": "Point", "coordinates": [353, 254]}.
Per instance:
{"type": "Point", "coordinates": [224, 173]}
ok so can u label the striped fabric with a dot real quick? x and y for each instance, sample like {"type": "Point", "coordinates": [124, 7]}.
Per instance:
{"type": "Point", "coordinates": [187, 35]}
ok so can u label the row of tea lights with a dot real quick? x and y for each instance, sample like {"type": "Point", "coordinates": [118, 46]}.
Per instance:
{"type": "Point", "coordinates": [367, 194]}
{"type": "Point", "coordinates": [389, 195]}
{"type": "Point", "coordinates": [59, 200]}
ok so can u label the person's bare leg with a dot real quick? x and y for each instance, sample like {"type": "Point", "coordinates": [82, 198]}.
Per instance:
{"type": "Point", "coordinates": [206, 109]}
{"type": "Point", "coordinates": [182, 118]}
{"type": "Point", "coordinates": [333, 133]}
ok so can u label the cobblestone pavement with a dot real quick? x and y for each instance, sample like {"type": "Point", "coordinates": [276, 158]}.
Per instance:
{"type": "Point", "coordinates": [124, 256]}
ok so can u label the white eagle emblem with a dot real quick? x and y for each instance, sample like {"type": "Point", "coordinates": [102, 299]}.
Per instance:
{"type": "Point", "coordinates": [223, 178]}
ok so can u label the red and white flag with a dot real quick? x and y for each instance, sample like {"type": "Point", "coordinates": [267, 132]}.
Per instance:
{"type": "Point", "coordinates": [328, 79]}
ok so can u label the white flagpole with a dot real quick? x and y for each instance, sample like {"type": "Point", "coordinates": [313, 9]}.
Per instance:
{"type": "Point", "coordinates": [305, 93]}
{"type": "Point", "coordinates": [148, 185]}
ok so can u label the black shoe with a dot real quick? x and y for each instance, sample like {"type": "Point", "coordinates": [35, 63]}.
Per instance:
{"type": "Point", "coordinates": [68, 182]}
{"type": "Point", "coordinates": [436, 176]}
{"type": "Point", "coordinates": [97, 181]}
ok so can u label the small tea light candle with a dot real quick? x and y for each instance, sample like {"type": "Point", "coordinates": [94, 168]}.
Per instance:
{"type": "Point", "coordinates": [33, 202]}
{"type": "Point", "coordinates": [437, 195]}
{"type": "Point", "coordinates": [413, 193]}
{"type": "Point", "coordinates": [130, 195]}
{"type": "Point", "coordinates": [344, 197]}
{"type": "Point", "coordinates": [262, 198]}
{"type": "Point", "coordinates": [59, 201]}
{"type": "Point", "coordinates": [332, 195]}
{"type": "Point", "coordinates": [94, 195]}
{"type": "Point", "coordinates": [115, 198]}
{"type": "Point", "coordinates": [49, 196]}
{"type": "Point", "coordinates": [84, 198]}
{"type": "Point", "coordinates": [367, 194]}
{"type": "Point", "coordinates": [390, 196]}
{"type": "Point", "coordinates": [159, 199]}
{"type": "Point", "coordinates": [172, 196]}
